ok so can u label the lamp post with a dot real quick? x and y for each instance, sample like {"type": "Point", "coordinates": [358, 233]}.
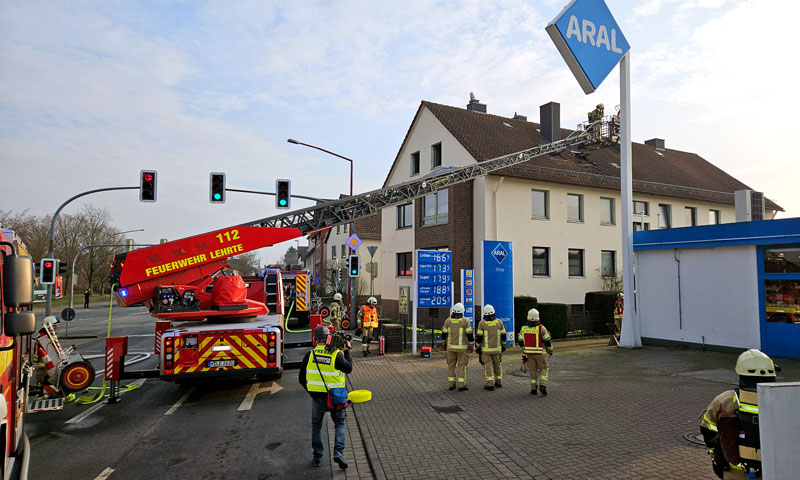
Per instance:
{"type": "Point", "coordinates": [114, 241]}
{"type": "Point", "coordinates": [352, 291]}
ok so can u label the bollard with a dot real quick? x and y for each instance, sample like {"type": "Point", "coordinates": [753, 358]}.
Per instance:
{"type": "Point", "coordinates": [116, 349]}
{"type": "Point", "coordinates": [381, 345]}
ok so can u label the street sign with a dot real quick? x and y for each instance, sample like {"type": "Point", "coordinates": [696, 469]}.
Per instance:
{"type": "Point", "coordinates": [434, 278]}
{"type": "Point", "coordinates": [354, 242]}
{"type": "Point", "coordinates": [403, 302]}
{"type": "Point", "coordinates": [67, 314]}
{"type": "Point", "coordinates": [372, 249]}
{"type": "Point", "coordinates": [589, 39]}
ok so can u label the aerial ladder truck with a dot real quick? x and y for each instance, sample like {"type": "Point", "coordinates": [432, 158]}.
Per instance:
{"type": "Point", "coordinates": [210, 325]}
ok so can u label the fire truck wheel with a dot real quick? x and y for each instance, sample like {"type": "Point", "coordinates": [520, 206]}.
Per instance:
{"type": "Point", "coordinates": [345, 324]}
{"type": "Point", "coordinates": [77, 376]}
{"type": "Point", "coordinates": [325, 312]}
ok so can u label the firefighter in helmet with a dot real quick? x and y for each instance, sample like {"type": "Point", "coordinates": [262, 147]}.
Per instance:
{"type": "Point", "coordinates": [457, 341]}
{"type": "Point", "coordinates": [535, 342]}
{"type": "Point", "coordinates": [336, 311]}
{"type": "Point", "coordinates": [730, 422]}
{"type": "Point", "coordinates": [367, 320]}
{"type": "Point", "coordinates": [491, 343]}
{"type": "Point", "coordinates": [619, 306]}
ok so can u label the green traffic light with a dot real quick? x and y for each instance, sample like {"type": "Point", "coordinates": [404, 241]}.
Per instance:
{"type": "Point", "coordinates": [282, 202]}
{"type": "Point", "coordinates": [217, 196]}
{"type": "Point", "coordinates": [355, 271]}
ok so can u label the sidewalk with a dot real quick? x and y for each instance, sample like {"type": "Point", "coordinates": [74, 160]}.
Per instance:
{"type": "Point", "coordinates": [610, 413]}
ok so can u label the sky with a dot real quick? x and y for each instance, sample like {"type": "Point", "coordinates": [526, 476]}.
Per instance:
{"type": "Point", "coordinates": [92, 92]}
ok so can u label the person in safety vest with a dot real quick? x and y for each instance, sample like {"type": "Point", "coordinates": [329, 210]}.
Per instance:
{"type": "Point", "coordinates": [336, 311]}
{"type": "Point", "coordinates": [324, 368]}
{"type": "Point", "coordinates": [730, 422]}
{"type": "Point", "coordinates": [619, 306]}
{"type": "Point", "coordinates": [491, 341]}
{"type": "Point", "coordinates": [367, 320]}
{"type": "Point", "coordinates": [457, 341]}
{"type": "Point", "coordinates": [535, 341]}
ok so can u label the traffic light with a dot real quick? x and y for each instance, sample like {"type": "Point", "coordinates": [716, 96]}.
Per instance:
{"type": "Point", "coordinates": [147, 185]}
{"type": "Point", "coordinates": [217, 188]}
{"type": "Point", "coordinates": [47, 271]}
{"type": "Point", "coordinates": [354, 265]}
{"type": "Point", "coordinates": [62, 268]}
{"type": "Point", "coordinates": [283, 193]}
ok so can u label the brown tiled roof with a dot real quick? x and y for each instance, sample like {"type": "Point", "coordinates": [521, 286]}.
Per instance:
{"type": "Point", "coordinates": [667, 172]}
{"type": "Point", "coordinates": [369, 228]}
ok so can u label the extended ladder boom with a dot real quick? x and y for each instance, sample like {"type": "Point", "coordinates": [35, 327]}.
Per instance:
{"type": "Point", "coordinates": [337, 212]}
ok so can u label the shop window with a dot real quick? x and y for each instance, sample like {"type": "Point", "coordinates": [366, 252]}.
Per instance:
{"type": "Point", "coordinates": [782, 260]}
{"type": "Point", "coordinates": [782, 301]}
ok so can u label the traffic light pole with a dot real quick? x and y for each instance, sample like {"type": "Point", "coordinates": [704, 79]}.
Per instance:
{"type": "Point", "coordinates": [314, 199]}
{"type": "Point", "coordinates": [48, 309]}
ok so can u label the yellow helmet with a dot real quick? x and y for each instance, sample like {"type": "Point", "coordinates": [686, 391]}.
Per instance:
{"type": "Point", "coordinates": [754, 363]}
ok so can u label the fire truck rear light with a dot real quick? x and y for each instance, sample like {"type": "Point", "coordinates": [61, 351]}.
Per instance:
{"type": "Point", "coordinates": [168, 349]}
{"type": "Point", "coordinates": [168, 341]}
{"type": "Point", "coordinates": [271, 344]}
{"type": "Point", "coordinates": [168, 356]}
{"type": "Point", "coordinates": [221, 348]}
{"type": "Point", "coordinates": [271, 350]}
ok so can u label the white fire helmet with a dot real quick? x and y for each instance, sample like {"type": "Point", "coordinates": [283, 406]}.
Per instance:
{"type": "Point", "coordinates": [50, 321]}
{"type": "Point", "coordinates": [488, 309]}
{"type": "Point", "coordinates": [755, 363]}
{"type": "Point", "coordinates": [533, 314]}
{"type": "Point", "coordinates": [458, 308]}
{"type": "Point", "coordinates": [337, 297]}
{"type": "Point", "coordinates": [372, 301]}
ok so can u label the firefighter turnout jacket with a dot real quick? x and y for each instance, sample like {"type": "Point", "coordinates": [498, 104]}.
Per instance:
{"type": "Point", "coordinates": [730, 430]}
{"type": "Point", "coordinates": [368, 316]}
{"type": "Point", "coordinates": [336, 311]}
{"type": "Point", "coordinates": [491, 336]}
{"type": "Point", "coordinates": [457, 332]}
{"type": "Point", "coordinates": [534, 339]}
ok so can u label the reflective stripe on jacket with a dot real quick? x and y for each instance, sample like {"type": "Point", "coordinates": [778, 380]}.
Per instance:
{"type": "Point", "coordinates": [492, 332]}
{"type": "Point", "coordinates": [533, 339]}
{"type": "Point", "coordinates": [370, 316]}
{"type": "Point", "coordinates": [322, 363]}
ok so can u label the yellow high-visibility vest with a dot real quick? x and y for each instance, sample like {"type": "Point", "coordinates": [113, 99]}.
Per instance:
{"type": "Point", "coordinates": [322, 364]}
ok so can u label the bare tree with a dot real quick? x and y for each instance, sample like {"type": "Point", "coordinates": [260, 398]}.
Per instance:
{"type": "Point", "coordinates": [246, 263]}
{"type": "Point", "coordinates": [32, 230]}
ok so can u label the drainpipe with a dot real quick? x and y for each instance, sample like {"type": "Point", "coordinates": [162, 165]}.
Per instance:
{"type": "Point", "coordinates": [494, 201]}
{"type": "Point", "coordinates": [676, 256]}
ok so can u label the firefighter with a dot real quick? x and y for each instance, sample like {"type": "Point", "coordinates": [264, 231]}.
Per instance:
{"type": "Point", "coordinates": [457, 341]}
{"type": "Point", "coordinates": [535, 342]}
{"type": "Point", "coordinates": [619, 306]}
{"type": "Point", "coordinates": [730, 422]}
{"type": "Point", "coordinates": [491, 343]}
{"type": "Point", "coordinates": [321, 370]}
{"type": "Point", "coordinates": [336, 311]}
{"type": "Point", "coordinates": [367, 320]}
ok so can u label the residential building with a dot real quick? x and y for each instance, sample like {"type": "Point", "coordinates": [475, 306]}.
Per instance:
{"type": "Point", "coordinates": [560, 211]}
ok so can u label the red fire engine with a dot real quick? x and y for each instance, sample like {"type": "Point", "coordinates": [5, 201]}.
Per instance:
{"type": "Point", "coordinates": [16, 366]}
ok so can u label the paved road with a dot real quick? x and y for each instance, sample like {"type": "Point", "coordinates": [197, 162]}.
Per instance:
{"type": "Point", "coordinates": [164, 430]}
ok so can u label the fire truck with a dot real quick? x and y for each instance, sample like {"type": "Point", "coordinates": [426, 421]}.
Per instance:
{"type": "Point", "coordinates": [16, 365]}
{"type": "Point", "coordinates": [214, 324]}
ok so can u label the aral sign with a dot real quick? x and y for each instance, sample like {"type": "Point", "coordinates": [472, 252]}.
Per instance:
{"type": "Point", "coordinates": [589, 39]}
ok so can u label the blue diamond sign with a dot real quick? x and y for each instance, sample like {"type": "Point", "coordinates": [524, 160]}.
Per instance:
{"type": "Point", "coordinates": [499, 253]}
{"type": "Point", "coordinates": [589, 39]}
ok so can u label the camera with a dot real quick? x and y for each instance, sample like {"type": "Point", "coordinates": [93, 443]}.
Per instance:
{"type": "Point", "coordinates": [337, 341]}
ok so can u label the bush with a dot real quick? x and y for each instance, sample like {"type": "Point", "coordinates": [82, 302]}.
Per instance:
{"type": "Point", "coordinates": [599, 306]}
{"type": "Point", "coordinates": [522, 304]}
{"type": "Point", "coordinates": [554, 318]}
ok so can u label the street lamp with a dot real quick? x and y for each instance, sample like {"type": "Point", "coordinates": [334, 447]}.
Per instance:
{"type": "Point", "coordinates": [352, 231]}
{"type": "Point", "coordinates": [114, 241]}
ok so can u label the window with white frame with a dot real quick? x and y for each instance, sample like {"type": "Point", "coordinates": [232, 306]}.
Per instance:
{"type": "Point", "coordinates": [607, 211]}
{"type": "Point", "coordinates": [574, 207]}
{"type": "Point", "coordinates": [575, 260]}
{"type": "Point", "coordinates": [436, 155]}
{"type": "Point", "coordinates": [333, 251]}
{"type": "Point", "coordinates": [414, 163]}
{"type": "Point", "coordinates": [691, 216]}
{"type": "Point", "coordinates": [435, 208]}
{"type": "Point", "coordinates": [664, 215]}
{"type": "Point", "coordinates": [541, 261]}
{"type": "Point", "coordinates": [404, 216]}
{"type": "Point", "coordinates": [608, 263]}
{"type": "Point", "coordinates": [641, 208]}
{"type": "Point", "coordinates": [541, 204]}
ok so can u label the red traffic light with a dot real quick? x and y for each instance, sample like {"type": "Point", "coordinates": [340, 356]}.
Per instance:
{"type": "Point", "coordinates": [48, 264]}
{"type": "Point", "coordinates": [148, 177]}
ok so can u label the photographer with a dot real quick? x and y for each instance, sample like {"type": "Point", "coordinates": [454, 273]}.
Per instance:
{"type": "Point", "coordinates": [323, 368]}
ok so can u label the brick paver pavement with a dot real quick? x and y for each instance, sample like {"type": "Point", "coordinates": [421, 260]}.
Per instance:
{"type": "Point", "coordinates": [610, 413]}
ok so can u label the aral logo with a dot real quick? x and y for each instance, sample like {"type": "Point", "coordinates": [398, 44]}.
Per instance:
{"type": "Point", "coordinates": [499, 253]}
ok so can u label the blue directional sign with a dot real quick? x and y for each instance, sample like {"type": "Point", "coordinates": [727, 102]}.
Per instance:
{"type": "Point", "coordinates": [589, 39]}
{"type": "Point", "coordinates": [434, 278]}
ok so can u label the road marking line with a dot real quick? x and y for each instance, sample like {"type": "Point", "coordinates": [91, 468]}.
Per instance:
{"type": "Point", "coordinates": [180, 402]}
{"type": "Point", "coordinates": [247, 402]}
{"type": "Point", "coordinates": [105, 473]}
{"type": "Point", "coordinates": [82, 416]}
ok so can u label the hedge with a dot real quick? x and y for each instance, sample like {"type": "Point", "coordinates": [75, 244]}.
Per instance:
{"type": "Point", "coordinates": [599, 307]}
{"type": "Point", "coordinates": [522, 304]}
{"type": "Point", "coordinates": [554, 318]}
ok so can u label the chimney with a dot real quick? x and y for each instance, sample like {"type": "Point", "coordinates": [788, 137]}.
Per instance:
{"type": "Point", "coordinates": [657, 143]}
{"type": "Point", "coordinates": [520, 117]}
{"type": "Point", "coordinates": [550, 118]}
{"type": "Point", "coordinates": [475, 105]}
